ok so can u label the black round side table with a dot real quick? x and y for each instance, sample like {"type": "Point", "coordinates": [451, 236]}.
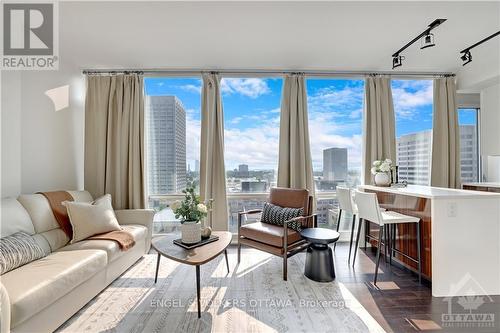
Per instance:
{"type": "Point", "coordinates": [319, 258]}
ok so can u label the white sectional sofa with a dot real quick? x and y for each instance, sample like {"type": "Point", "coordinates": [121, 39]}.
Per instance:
{"type": "Point", "coordinates": [41, 295]}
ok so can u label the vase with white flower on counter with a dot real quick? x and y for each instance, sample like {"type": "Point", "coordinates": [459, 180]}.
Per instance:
{"type": "Point", "coordinates": [190, 211]}
{"type": "Point", "coordinates": [381, 170]}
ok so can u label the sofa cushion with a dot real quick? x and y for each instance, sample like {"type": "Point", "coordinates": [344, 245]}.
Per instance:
{"type": "Point", "coordinates": [43, 219]}
{"type": "Point", "coordinates": [88, 219]}
{"type": "Point", "coordinates": [110, 247]}
{"type": "Point", "coordinates": [14, 218]}
{"type": "Point", "coordinates": [40, 283]}
{"type": "Point", "coordinates": [279, 215]}
{"type": "Point", "coordinates": [18, 249]}
{"type": "Point", "coordinates": [268, 233]}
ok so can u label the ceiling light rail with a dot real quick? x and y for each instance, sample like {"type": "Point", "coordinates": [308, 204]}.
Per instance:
{"type": "Point", "coordinates": [465, 54]}
{"type": "Point", "coordinates": [266, 73]}
{"type": "Point", "coordinates": [427, 40]}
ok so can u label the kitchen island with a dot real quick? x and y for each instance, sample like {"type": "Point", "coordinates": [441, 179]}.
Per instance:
{"type": "Point", "coordinates": [460, 236]}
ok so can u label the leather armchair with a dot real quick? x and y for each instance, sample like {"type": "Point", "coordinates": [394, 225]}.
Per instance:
{"type": "Point", "coordinates": [278, 240]}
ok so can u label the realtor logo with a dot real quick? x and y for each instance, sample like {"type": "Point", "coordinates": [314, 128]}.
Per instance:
{"type": "Point", "coordinates": [29, 36]}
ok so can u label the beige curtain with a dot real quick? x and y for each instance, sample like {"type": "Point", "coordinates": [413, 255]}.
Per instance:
{"type": "Point", "coordinates": [212, 169]}
{"type": "Point", "coordinates": [445, 164]}
{"type": "Point", "coordinates": [379, 134]}
{"type": "Point", "coordinates": [294, 163]}
{"type": "Point", "coordinates": [114, 139]}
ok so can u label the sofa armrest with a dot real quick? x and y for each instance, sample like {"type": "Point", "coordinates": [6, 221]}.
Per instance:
{"type": "Point", "coordinates": [143, 217]}
{"type": "Point", "coordinates": [4, 310]}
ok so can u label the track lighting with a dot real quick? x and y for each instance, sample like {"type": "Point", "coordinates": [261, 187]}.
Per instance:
{"type": "Point", "coordinates": [397, 61]}
{"type": "Point", "coordinates": [427, 41]}
{"type": "Point", "coordinates": [467, 56]}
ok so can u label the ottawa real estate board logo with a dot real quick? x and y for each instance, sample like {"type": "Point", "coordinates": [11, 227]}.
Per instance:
{"type": "Point", "coordinates": [30, 36]}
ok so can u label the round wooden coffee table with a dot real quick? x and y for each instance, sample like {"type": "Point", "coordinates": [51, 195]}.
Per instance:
{"type": "Point", "coordinates": [196, 257]}
{"type": "Point", "coordinates": [319, 257]}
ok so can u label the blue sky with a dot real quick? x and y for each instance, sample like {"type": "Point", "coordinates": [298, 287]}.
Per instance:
{"type": "Point", "coordinates": [251, 115]}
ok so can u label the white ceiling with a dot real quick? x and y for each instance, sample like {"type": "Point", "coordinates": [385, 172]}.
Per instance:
{"type": "Point", "coordinates": [282, 35]}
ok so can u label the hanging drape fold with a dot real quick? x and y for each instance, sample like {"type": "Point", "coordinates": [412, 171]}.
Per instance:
{"type": "Point", "coordinates": [294, 162]}
{"type": "Point", "coordinates": [114, 139]}
{"type": "Point", "coordinates": [212, 169]}
{"type": "Point", "coordinates": [445, 161]}
{"type": "Point", "coordinates": [379, 134]}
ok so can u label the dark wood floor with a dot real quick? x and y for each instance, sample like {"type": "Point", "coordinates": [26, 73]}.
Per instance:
{"type": "Point", "coordinates": [401, 304]}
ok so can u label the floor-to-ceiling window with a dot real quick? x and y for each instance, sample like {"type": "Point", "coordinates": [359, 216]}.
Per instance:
{"type": "Point", "coordinates": [251, 137]}
{"type": "Point", "coordinates": [172, 108]}
{"type": "Point", "coordinates": [469, 144]}
{"type": "Point", "coordinates": [413, 109]}
{"type": "Point", "coordinates": [335, 109]}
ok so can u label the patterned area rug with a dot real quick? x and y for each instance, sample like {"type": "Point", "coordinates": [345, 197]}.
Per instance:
{"type": "Point", "coordinates": [251, 298]}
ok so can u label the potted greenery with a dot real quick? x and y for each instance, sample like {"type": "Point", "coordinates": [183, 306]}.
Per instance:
{"type": "Point", "coordinates": [381, 171]}
{"type": "Point", "coordinates": [190, 211]}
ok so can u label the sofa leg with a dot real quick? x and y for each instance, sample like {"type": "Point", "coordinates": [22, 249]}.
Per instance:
{"type": "Point", "coordinates": [285, 273]}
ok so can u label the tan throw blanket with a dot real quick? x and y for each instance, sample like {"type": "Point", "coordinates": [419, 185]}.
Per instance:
{"type": "Point", "coordinates": [56, 198]}
{"type": "Point", "coordinates": [124, 238]}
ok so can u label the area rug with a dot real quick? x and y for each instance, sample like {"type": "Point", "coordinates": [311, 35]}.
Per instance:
{"type": "Point", "coordinates": [252, 298]}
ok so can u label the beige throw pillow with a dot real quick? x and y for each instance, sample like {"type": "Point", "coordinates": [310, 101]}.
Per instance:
{"type": "Point", "coordinates": [88, 219]}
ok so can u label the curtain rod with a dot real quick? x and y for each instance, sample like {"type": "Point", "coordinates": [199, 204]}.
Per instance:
{"type": "Point", "coordinates": [260, 72]}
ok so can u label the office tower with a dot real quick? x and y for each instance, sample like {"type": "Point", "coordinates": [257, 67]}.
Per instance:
{"type": "Point", "coordinates": [197, 166]}
{"type": "Point", "coordinates": [414, 155]}
{"type": "Point", "coordinates": [166, 144]}
{"type": "Point", "coordinates": [335, 164]}
{"type": "Point", "coordinates": [243, 170]}
{"type": "Point", "coordinates": [253, 186]}
{"type": "Point", "coordinates": [468, 153]}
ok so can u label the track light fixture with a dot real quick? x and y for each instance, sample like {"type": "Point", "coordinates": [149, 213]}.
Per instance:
{"type": "Point", "coordinates": [397, 61]}
{"type": "Point", "coordinates": [427, 41]}
{"type": "Point", "coordinates": [466, 56]}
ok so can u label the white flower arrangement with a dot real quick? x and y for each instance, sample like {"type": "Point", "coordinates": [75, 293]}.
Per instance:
{"type": "Point", "coordinates": [381, 166]}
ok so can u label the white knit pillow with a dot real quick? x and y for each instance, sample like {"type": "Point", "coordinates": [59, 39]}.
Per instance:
{"type": "Point", "coordinates": [88, 219]}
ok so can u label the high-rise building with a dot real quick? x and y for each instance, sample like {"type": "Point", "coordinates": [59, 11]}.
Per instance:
{"type": "Point", "coordinates": [166, 144]}
{"type": "Point", "coordinates": [469, 153]}
{"type": "Point", "coordinates": [335, 164]}
{"type": "Point", "coordinates": [414, 156]}
{"type": "Point", "coordinates": [243, 170]}
{"type": "Point", "coordinates": [197, 166]}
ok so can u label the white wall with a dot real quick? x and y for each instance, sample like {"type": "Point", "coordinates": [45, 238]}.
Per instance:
{"type": "Point", "coordinates": [11, 133]}
{"type": "Point", "coordinates": [41, 149]}
{"type": "Point", "coordinates": [490, 120]}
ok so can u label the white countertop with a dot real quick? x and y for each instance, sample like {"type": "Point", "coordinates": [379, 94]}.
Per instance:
{"type": "Point", "coordinates": [431, 192]}
{"type": "Point", "coordinates": [485, 184]}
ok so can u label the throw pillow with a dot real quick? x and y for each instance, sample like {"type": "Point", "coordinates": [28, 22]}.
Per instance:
{"type": "Point", "coordinates": [18, 249]}
{"type": "Point", "coordinates": [277, 215]}
{"type": "Point", "coordinates": [89, 219]}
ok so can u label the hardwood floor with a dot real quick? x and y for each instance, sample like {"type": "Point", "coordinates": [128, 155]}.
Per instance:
{"type": "Point", "coordinates": [401, 304]}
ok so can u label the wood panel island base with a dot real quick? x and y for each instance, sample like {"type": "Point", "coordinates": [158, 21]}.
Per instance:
{"type": "Point", "coordinates": [460, 236]}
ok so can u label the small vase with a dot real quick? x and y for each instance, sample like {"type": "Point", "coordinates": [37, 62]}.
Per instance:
{"type": "Point", "coordinates": [382, 179]}
{"type": "Point", "coordinates": [190, 232]}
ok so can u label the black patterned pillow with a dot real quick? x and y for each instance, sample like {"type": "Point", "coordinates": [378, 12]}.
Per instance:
{"type": "Point", "coordinates": [277, 215]}
{"type": "Point", "coordinates": [18, 249]}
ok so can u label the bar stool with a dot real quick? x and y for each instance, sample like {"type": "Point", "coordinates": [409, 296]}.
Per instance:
{"type": "Point", "coordinates": [346, 205]}
{"type": "Point", "coordinates": [368, 209]}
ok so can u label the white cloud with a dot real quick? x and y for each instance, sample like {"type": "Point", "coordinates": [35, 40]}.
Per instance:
{"type": "Point", "coordinates": [191, 88]}
{"type": "Point", "coordinates": [409, 95]}
{"type": "Point", "coordinates": [252, 87]}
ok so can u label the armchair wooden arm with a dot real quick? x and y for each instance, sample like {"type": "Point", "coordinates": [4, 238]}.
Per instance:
{"type": "Point", "coordinates": [248, 212]}
{"type": "Point", "coordinates": [295, 219]}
